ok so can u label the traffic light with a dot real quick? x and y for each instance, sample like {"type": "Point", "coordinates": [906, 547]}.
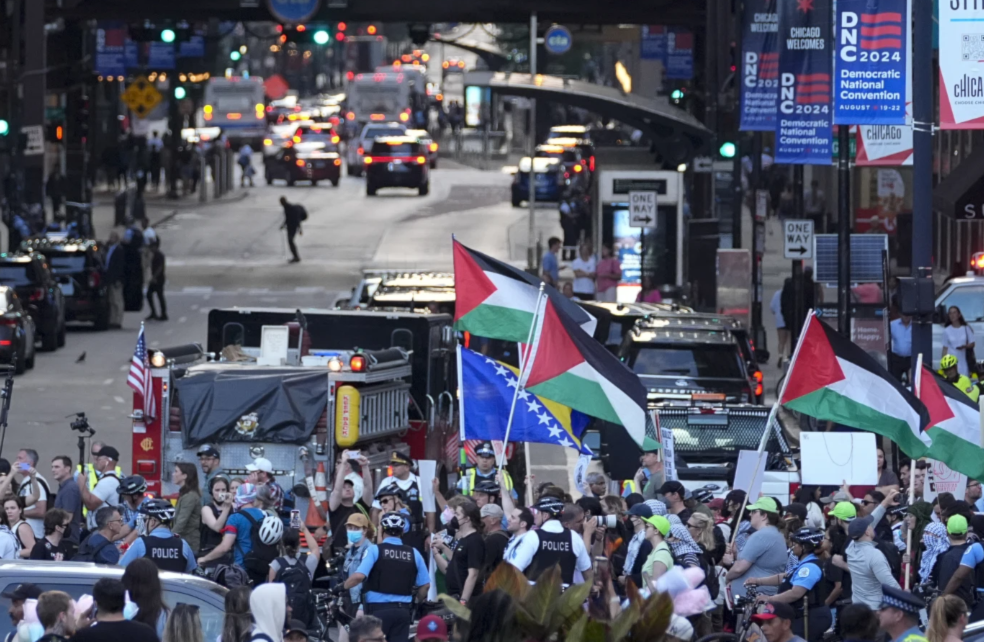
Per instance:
{"type": "Point", "coordinates": [235, 56]}
{"type": "Point", "coordinates": [321, 37]}
{"type": "Point", "coordinates": [677, 95]}
{"type": "Point", "coordinates": [304, 34]}
{"type": "Point", "coordinates": [180, 92]}
{"type": "Point", "coordinates": [168, 35]}
{"type": "Point", "coordinates": [727, 149]}
{"type": "Point", "coordinates": [4, 127]}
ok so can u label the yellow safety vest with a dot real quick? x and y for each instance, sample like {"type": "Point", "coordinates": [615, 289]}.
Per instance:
{"type": "Point", "coordinates": [470, 481]}
{"type": "Point", "coordinates": [92, 478]}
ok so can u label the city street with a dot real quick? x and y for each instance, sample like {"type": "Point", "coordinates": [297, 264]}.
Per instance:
{"type": "Point", "coordinates": [234, 254]}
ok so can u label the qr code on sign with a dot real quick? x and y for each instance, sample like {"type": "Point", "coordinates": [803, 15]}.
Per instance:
{"type": "Point", "coordinates": [972, 46]}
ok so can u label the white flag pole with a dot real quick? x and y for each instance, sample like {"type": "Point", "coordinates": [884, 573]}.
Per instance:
{"type": "Point", "coordinates": [917, 389]}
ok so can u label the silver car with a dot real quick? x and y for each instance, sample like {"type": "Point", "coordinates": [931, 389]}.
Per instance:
{"type": "Point", "coordinates": [356, 147]}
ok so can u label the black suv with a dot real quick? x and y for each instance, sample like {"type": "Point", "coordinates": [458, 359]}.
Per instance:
{"type": "Point", "coordinates": [682, 356]}
{"type": "Point", "coordinates": [78, 264]}
{"type": "Point", "coordinates": [397, 161]}
{"type": "Point", "coordinates": [40, 291]}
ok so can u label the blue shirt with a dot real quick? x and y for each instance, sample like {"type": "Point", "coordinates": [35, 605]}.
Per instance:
{"type": "Point", "coordinates": [369, 559]}
{"type": "Point", "coordinates": [240, 527]}
{"type": "Point", "coordinates": [973, 556]}
{"type": "Point", "coordinates": [109, 554]}
{"type": "Point", "coordinates": [137, 549]}
{"type": "Point", "coordinates": [807, 573]}
{"type": "Point", "coordinates": [551, 267]}
{"type": "Point", "coordinates": [901, 338]}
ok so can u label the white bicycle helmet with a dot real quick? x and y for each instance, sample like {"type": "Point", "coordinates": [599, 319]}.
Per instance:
{"type": "Point", "coordinates": [393, 521]}
{"type": "Point", "coordinates": [271, 529]}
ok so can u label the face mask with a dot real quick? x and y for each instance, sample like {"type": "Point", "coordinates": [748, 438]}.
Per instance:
{"type": "Point", "coordinates": [354, 537]}
{"type": "Point", "coordinates": [446, 516]}
{"type": "Point", "coordinates": [453, 525]}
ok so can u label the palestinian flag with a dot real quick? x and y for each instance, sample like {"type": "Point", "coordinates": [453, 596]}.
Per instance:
{"type": "Point", "coordinates": [954, 425]}
{"type": "Point", "coordinates": [570, 367]}
{"type": "Point", "coordinates": [497, 301]}
{"type": "Point", "coordinates": [833, 379]}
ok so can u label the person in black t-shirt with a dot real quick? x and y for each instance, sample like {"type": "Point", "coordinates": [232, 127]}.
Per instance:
{"type": "Point", "coordinates": [110, 625]}
{"type": "Point", "coordinates": [496, 539]}
{"type": "Point", "coordinates": [463, 567]}
{"type": "Point", "coordinates": [343, 503]}
{"type": "Point", "coordinates": [57, 523]}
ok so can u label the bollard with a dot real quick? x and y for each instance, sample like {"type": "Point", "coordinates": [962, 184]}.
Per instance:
{"type": "Point", "coordinates": [230, 171]}
{"type": "Point", "coordinates": [119, 208]}
{"type": "Point", "coordinates": [203, 172]}
{"type": "Point", "coordinates": [216, 182]}
{"type": "Point", "coordinates": [138, 211]}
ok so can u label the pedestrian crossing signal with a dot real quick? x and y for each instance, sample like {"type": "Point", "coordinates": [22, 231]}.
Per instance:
{"type": "Point", "coordinates": [727, 150]}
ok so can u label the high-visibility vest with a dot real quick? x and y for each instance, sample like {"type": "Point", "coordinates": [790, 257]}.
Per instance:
{"type": "Point", "coordinates": [92, 478]}
{"type": "Point", "coordinates": [470, 481]}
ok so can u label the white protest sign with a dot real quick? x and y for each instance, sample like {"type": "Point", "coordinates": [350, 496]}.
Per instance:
{"type": "Point", "coordinates": [642, 209]}
{"type": "Point", "coordinates": [940, 478]}
{"type": "Point", "coordinates": [746, 478]}
{"type": "Point", "coordinates": [669, 456]}
{"type": "Point", "coordinates": [428, 470]}
{"type": "Point", "coordinates": [581, 473]}
{"type": "Point", "coordinates": [831, 458]}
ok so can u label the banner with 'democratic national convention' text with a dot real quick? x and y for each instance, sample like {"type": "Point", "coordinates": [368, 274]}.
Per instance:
{"type": "Point", "coordinates": [961, 64]}
{"type": "Point", "coordinates": [759, 67]}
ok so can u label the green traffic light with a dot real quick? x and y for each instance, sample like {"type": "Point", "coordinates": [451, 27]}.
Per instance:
{"type": "Point", "coordinates": [4, 127]}
{"type": "Point", "coordinates": [168, 35]}
{"type": "Point", "coordinates": [677, 94]}
{"type": "Point", "coordinates": [180, 93]}
{"type": "Point", "coordinates": [235, 55]}
{"type": "Point", "coordinates": [727, 150]}
{"type": "Point", "coordinates": [321, 37]}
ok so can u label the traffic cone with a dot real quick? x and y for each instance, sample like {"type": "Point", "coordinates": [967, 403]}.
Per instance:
{"type": "Point", "coordinates": [314, 519]}
{"type": "Point", "coordinates": [321, 485]}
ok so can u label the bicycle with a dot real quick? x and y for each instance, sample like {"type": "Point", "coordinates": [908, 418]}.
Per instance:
{"type": "Point", "coordinates": [744, 606]}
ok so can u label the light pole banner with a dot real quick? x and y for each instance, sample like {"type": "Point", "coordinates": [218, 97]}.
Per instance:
{"type": "Point", "coordinates": [759, 66]}
{"type": "Point", "coordinates": [871, 60]}
{"type": "Point", "coordinates": [961, 64]}
{"type": "Point", "coordinates": [804, 131]}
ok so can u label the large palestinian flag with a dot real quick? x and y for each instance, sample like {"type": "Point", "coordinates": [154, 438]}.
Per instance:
{"type": "Point", "coordinates": [497, 301]}
{"type": "Point", "coordinates": [954, 425]}
{"type": "Point", "coordinates": [833, 379]}
{"type": "Point", "coordinates": [570, 367]}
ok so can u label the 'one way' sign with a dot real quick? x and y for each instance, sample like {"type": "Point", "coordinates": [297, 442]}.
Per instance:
{"type": "Point", "coordinates": [797, 239]}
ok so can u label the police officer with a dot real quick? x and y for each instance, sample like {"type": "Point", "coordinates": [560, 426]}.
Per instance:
{"type": "Point", "coordinates": [162, 547]}
{"type": "Point", "coordinates": [899, 615]}
{"type": "Point", "coordinates": [409, 484]}
{"type": "Point", "coordinates": [803, 587]}
{"type": "Point", "coordinates": [484, 470]}
{"type": "Point", "coordinates": [487, 491]}
{"type": "Point", "coordinates": [390, 571]}
{"type": "Point", "coordinates": [948, 368]}
{"type": "Point", "coordinates": [552, 544]}
{"type": "Point", "coordinates": [131, 491]}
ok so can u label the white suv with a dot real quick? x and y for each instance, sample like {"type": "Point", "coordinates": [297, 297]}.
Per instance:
{"type": "Point", "coordinates": [355, 148]}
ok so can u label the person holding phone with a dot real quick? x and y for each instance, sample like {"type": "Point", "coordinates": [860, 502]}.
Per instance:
{"type": "Point", "coordinates": [214, 517]}
{"type": "Point", "coordinates": [342, 502]}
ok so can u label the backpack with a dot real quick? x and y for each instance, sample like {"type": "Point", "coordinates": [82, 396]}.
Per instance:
{"type": "Point", "coordinates": [301, 213]}
{"type": "Point", "coordinates": [87, 553]}
{"type": "Point", "coordinates": [298, 582]}
{"type": "Point", "coordinates": [257, 560]}
{"type": "Point", "coordinates": [892, 556]}
{"type": "Point", "coordinates": [711, 579]}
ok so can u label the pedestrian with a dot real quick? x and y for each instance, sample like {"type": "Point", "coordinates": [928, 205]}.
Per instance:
{"type": "Point", "coordinates": [764, 552]}
{"type": "Point", "coordinates": [17, 597]}
{"type": "Point", "coordinates": [133, 276]}
{"type": "Point", "coordinates": [585, 268]}
{"type": "Point", "coordinates": [409, 484]}
{"type": "Point", "coordinates": [56, 613]}
{"type": "Point", "coordinates": [519, 523]}
{"type": "Point", "coordinates": [51, 548]}
{"type": "Point", "coordinates": [68, 498]}
{"type": "Point", "coordinates": [359, 534]}
{"type": "Point", "coordinates": [898, 615]}
{"type": "Point", "coordinates": [552, 543]}
{"type": "Point", "coordinates": [343, 503]}
{"type": "Point", "coordinates": [106, 490]}
{"type": "Point", "coordinates": [188, 510]}
{"type": "Point", "coordinates": [868, 566]}
{"type": "Point", "coordinates": [782, 332]}
{"type": "Point", "coordinates": [156, 283]}
{"type": "Point", "coordinates": [463, 566]}
{"type": "Point", "coordinates": [261, 474]}
{"type": "Point", "coordinates": [252, 533]}
{"type": "Point", "coordinates": [161, 545]}
{"type": "Point", "coordinates": [609, 274]}
{"type": "Point", "coordinates": [98, 547]}
{"type": "Point", "coordinates": [296, 631]}
{"type": "Point", "coordinates": [9, 545]}
{"type": "Point", "coordinates": [815, 203]}
{"type": "Point", "coordinates": [245, 162]}
{"type": "Point", "coordinates": [649, 477]}
{"type": "Point", "coordinates": [295, 570]}
{"type": "Point", "coordinates": [649, 291]}
{"type": "Point", "coordinates": [293, 216]}
{"type": "Point", "coordinates": [32, 484]}
{"type": "Point", "coordinates": [935, 541]}
{"type": "Point", "coordinates": [432, 627]}
{"type": "Point", "coordinates": [549, 266]}
{"type": "Point", "coordinates": [660, 558]}
{"type": "Point", "coordinates": [143, 584]}
{"type": "Point", "coordinates": [109, 600]}
{"type": "Point", "coordinates": [114, 280]}
{"type": "Point", "coordinates": [368, 629]}
{"type": "Point", "coordinates": [973, 495]}
{"type": "Point", "coordinates": [237, 621]}
{"type": "Point", "coordinates": [268, 604]}
{"type": "Point", "coordinates": [55, 190]}
{"type": "Point", "coordinates": [183, 625]}
{"type": "Point", "coordinates": [958, 339]}
{"type": "Point", "coordinates": [484, 470]}
{"type": "Point", "coordinates": [948, 563]}
{"type": "Point", "coordinates": [210, 461]}
{"type": "Point", "coordinates": [597, 484]}
{"type": "Point", "coordinates": [947, 619]}
{"type": "Point", "coordinates": [14, 509]}
{"type": "Point", "coordinates": [496, 538]}
{"type": "Point", "coordinates": [214, 517]}
{"type": "Point", "coordinates": [776, 620]}
{"type": "Point", "coordinates": [132, 491]}
{"type": "Point", "coordinates": [156, 148]}
{"type": "Point", "coordinates": [673, 493]}
{"type": "Point", "coordinates": [900, 355]}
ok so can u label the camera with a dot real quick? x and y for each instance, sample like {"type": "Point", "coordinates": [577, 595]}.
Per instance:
{"type": "Point", "coordinates": [81, 423]}
{"type": "Point", "coordinates": [606, 521]}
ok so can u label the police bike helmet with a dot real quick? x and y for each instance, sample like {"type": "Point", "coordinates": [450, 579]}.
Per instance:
{"type": "Point", "coordinates": [703, 495]}
{"type": "Point", "coordinates": [550, 505]}
{"type": "Point", "coordinates": [948, 361]}
{"type": "Point", "coordinates": [271, 529]}
{"type": "Point", "coordinates": [810, 537]}
{"type": "Point", "coordinates": [158, 509]}
{"type": "Point", "coordinates": [392, 490]}
{"type": "Point", "coordinates": [393, 522]}
{"type": "Point", "coordinates": [487, 486]}
{"type": "Point", "coordinates": [132, 485]}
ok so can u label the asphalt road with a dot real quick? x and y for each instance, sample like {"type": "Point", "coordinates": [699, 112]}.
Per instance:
{"type": "Point", "coordinates": [233, 254]}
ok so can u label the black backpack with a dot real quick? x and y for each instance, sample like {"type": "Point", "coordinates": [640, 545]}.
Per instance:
{"type": "Point", "coordinates": [298, 582]}
{"type": "Point", "coordinates": [257, 560]}
{"type": "Point", "coordinates": [301, 212]}
{"type": "Point", "coordinates": [892, 556]}
{"type": "Point", "coordinates": [87, 553]}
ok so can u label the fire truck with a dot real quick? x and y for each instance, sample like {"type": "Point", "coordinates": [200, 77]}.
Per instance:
{"type": "Point", "coordinates": [297, 386]}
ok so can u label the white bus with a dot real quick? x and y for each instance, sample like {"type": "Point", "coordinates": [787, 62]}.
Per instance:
{"type": "Point", "coordinates": [385, 96]}
{"type": "Point", "coordinates": [237, 105]}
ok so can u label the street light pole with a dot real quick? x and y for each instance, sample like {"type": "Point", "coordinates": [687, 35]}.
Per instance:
{"type": "Point", "coordinates": [531, 257]}
{"type": "Point", "coordinates": [922, 161]}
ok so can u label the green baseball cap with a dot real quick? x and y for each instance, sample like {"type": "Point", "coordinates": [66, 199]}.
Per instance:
{"type": "Point", "coordinates": [845, 511]}
{"type": "Point", "coordinates": [956, 525]}
{"type": "Point", "coordinates": [765, 504]}
{"type": "Point", "coordinates": [658, 522]}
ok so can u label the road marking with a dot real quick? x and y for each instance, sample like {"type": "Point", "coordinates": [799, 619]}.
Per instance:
{"type": "Point", "coordinates": [182, 319]}
{"type": "Point", "coordinates": [154, 344]}
{"type": "Point", "coordinates": [106, 407]}
{"type": "Point", "coordinates": [194, 306]}
{"type": "Point", "coordinates": [118, 399]}
{"type": "Point", "coordinates": [308, 290]}
{"type": "Point", "coordinates": [198, 290]}
{"type": "Point", "coordinates": [108, 382]}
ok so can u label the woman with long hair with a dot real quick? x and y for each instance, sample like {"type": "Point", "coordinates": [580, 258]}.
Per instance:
{"type": "Point", "coordinates": [184, 625]}
{"type": "Point", "coordinates": [13, 507]}
{"type": "Point", "coordinates": [188, 510]}
{"type": "Point", "coordinates": [238, 622]}
{"type": "Point", "coordinates": [886, 476]}
{"type": "Point", "coordinates": [947, 619]}
{"type": "Point", "coordinates": [701, 528]}
{"type": "Point", "coordinates": [214, 517]}
{"type": "Point", "coordinates": [660, 560]}
{"type": "Point", "coordinates": [809, 496]}
{"type": "Point", "coordinates": [958, 337]}
{"type": "Point", "coordinates": [143, 583]}
{"type": "Point", "coordinates": [463, 566]}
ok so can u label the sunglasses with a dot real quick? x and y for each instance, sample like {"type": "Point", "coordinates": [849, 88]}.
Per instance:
{"type": "Point", "coordinates": [692, 526]}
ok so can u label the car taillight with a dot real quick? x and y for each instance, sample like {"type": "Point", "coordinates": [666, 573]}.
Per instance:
{"type": "Point", "coordinates": [36, 295]}
{"type": "Point", "coordinates": [94, 280]}
{"type": "Point", "coordinates": [757, 375]}
{"type": "Point", "coordinates": [591, 164]}
{"type": "Point", "coordinates": [433, 147]}
{"type": "Point", "coordinates": [361, 151]}
{"type": "Point", "coordinates": [758, 390]}
{"type": "Point", "coordinates": [338, 162]}
{"type": "Point", "coordinates": [11, 321]}
{"type": "Point", "coordinates": [299, 163]}
{"type": "Point", "coordinates": [421, 160]}
{"type": "Point", "coordinates": [577, 169]}
{"type": "Point", "coordinates": [367, 160]}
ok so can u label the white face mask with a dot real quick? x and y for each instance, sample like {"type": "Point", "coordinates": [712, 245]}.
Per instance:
{"type": "Point", "coordinates": [447, 515]}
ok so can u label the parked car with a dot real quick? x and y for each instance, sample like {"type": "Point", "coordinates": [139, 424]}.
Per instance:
{"type": "Point", "coordinates": [29, 275]}
{"type": "Point", "coordinates": [79, 261]}
{"type": "Point", "coordinates": [16, 332]}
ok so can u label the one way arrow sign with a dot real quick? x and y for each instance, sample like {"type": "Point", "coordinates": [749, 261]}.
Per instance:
{"type": "Point", "coordinates": [642, 209]}
{"type": "Point", "coordinates": [797, 239]}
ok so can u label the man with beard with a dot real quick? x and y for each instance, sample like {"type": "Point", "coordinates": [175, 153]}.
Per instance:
{"type": "Point", "coordinates": [17, 597]}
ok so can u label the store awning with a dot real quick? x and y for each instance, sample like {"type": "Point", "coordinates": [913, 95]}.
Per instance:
{"type": "Point", "coordinates": [961, 194]}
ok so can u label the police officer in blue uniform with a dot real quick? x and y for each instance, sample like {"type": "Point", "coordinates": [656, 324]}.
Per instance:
{"type": "Point", "coordinates": [162, 547]}
{"type": "Point", "coordinates": [899, 615]}
{"type": "Point", "coordinates": [803, 587]}
{"type": "Point", "coordinates": [390, 571]}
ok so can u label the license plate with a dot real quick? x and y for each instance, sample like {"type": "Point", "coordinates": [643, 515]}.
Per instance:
{"type": "Point", "coordinates": [319, 164]}
{"type": "Point", "coordinates": [542, 180]}
{"type": "Point", "coordinates": [397, 166]}
{"type": "Point", "coordinates": [68, 289]}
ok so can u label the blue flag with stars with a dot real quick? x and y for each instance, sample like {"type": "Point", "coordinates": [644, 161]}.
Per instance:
{"type": "Point", "coordinates": [487, 388]}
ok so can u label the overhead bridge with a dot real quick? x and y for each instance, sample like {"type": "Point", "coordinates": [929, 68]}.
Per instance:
{"type": "Point", "coordinates": [677, 135]}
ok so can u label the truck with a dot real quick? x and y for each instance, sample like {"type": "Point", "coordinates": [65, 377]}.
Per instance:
{"type": "Point", "coordinates": [298, 387]}
{"type": "Point", "coordinates": [237, 105]}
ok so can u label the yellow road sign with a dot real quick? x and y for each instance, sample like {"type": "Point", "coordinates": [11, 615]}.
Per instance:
{"type": "Point", "coordinates": [141, 97]}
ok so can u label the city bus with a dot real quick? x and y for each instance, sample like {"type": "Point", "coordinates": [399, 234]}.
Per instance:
{"type": "Point", "coordinates": [237, 106]}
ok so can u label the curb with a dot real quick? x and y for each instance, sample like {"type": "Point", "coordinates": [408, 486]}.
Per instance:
{"type": "Point", "coordinates": [167, 217]}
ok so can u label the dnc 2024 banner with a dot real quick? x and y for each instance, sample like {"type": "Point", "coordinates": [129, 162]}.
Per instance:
{"type": "Point", "coordinates": [870, 81]}
{"type": "Point", "coordinates": [759, 66]}
{"type": "Point", "coordinates": [804, 131]}
{"type": "Point", "coordinates": [961, 64]}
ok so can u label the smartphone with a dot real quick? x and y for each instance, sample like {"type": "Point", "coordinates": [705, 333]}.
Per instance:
{"type": "Point", "coordinates": [601, 562]}
{"type": "Point", "coordinates": [295, 519]}
{"type": "Point", "coordinates": [354, 454]}
{"type": "Point", "coordinates": [24, 467]}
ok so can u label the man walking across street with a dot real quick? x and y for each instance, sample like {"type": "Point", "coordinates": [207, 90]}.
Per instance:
{"type": "Point", "coordinates": [156, 284]}
{"type": "Point", "coordinates": [293, 215]}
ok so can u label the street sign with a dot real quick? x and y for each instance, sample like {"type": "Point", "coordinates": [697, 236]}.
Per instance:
{"type": "Point", "coordinates": [642, 209]}
{"type": "Point", "coordinates": [35, 139]}
{"type": "Point", "coordinates": [797, 239]}
{"type": "Point", "coordinates": [558, 39]}
{"type": "Point", "coordinates": [703, 165]}
{"type": "Point", "coordinates": [141, 97]}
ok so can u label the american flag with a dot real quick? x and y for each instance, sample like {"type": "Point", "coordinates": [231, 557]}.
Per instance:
{"type": "Point", "coordinates": [139, 378]}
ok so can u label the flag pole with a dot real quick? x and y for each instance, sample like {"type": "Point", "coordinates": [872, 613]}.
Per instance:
{"type": "Point", "coordinates": [916, 388]}
{"type": "Point", "coordinates": [772, 417]}
{"type": "Point", "coordinates": [524, 363]}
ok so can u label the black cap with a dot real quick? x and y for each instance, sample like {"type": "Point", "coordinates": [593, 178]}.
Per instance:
{"type": "Point", "coordinates": [488, 486]}
{"type": "Point", "coordinates": [895, 598]}
{"type": "Point", "coordinates": [672, 487]}
{"type": "Point", "coordinates": [208, 450]}
{"type": "Point", "coordinates": [641, 510]}
{"type": "Point", "coordinates": [796, 509]}
{"type": "Point", "coordinates": [4, 466]}
{"type": "Point", "coordinates": [109, 451]}
{"type": "Point", "coordinates": [26, 591]}
{"type": "Point", "coordinates": [550, 505]}
{"type": "Point", "coordinates": [296, 626]}
{"type": "Point", "coordinates": [485, 449]}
